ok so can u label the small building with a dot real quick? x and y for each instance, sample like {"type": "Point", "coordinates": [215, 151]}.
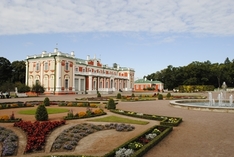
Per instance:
{"type": "Point", "coordinates": [63, 73]}
{"type": "Point", "coordinates": [144, 84]}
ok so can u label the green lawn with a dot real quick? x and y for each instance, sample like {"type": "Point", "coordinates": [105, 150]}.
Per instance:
{"type": "Point", "coordinates": [49, 110]}
{"type": "Point", "coordinates": [119, 120]}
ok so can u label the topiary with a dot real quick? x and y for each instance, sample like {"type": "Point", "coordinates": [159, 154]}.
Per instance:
{"type": "Point", "coordinates": [41, 113]}
{"type": "Point", "coordinates": [160, 97]}
{"type": "Point", "coordinates": [111, 104]}
{"type": "Point", "coordinates": [119, 96]}
{"type": "Point", "coordinates": [47, 101]}
{"type": "Point", "coordinates": [168, 95]}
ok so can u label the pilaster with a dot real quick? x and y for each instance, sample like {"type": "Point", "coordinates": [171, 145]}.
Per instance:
{"type": "Point", "coordinates": [58, 76]}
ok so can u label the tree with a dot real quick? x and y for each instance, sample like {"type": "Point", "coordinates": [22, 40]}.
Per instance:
{"type": "Point", "coordinates": [18, 71]}
{"type": "Point", "coordinates": [38, 88]}
{"type": "Point", "coordinates": [111, 104]}
{"type": "Point", "coordinates": [47, 101]}
{"type": "Point", "coordinates": [41, 113]}
{"type": "Point", "coordinates": [7, 87]}
{"type": "Point", "coordinates": [22, 88]}
{"type": "Point", "coordinates": [5, 70]}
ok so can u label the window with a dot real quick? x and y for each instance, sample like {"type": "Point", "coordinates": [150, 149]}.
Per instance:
{"type": "Point", "coordinates": [66, 66]}
{"type": "Point", "coordinates": [94, 85]}
{"type": "Point", "coordinates": [100, 84]}
{"type": "Point", "coordinates": [46, 66]}
{"type": "Point", "coordinates": [111, 84]}
{"type": "Point", "coordinates": [76, 84]}
{"type": "Point", "coordinates": [37, 67]}
{"type": "Point", "coordinates": [66, 83]}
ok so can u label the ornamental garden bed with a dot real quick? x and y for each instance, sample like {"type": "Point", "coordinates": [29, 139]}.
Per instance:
{"type": "Point", "coordinates": [142, 143]}
{"type": "Point", "coordinates": [89, 113]}
{"type": "Point", "coordinates": [37, 132]}
{"type": "Point", "coordinates": [68, 139]}
{"type": "Point", "coordinates": [164, 120]}
{"type": "Point", "coordinates": [9, 142]}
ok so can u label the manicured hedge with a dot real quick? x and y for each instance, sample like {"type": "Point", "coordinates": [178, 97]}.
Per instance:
{"type": "Point", "coordinates": [164, 120]}
{"type": "Point", "coordinates": [146, 147]}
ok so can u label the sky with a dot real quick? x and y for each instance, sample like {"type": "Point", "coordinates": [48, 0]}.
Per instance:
{"type": "Point", "coordinates": [146, 35]}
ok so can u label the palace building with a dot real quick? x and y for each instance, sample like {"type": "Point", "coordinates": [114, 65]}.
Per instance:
{"type": "Point", "coordinates": [144, 84]}
{"type": "Point", "coordinates": [62, 73]}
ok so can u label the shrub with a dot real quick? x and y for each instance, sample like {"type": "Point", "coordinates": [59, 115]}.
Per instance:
{"type": "Point", "coordinates": [133, 95]}
{"type": "Point", "coordinates": [98, 111]}
{"type": "Point", "coordinates": [111, 104]}
{"type": "Point", "coordinates": [93, 105]}
{"type": "Point", "coordinates": [168, 95]}
{"type": "Point", "coordinates": [47, 101]}
{"type": "Point", "coordinates": [119, 96]}
{"type": "Point", "coordinates": [4, 117]}
{"type": "Point", "coordinates": [12, 117]}
{"type": "Point", "coordinates": [70, 104]}
{"type": "Point", "coordinates": [14, 105]}
{"type": "Point", "coordinates": [98, 94]}
{"type": "Point", "coordinates": [82, 114]}
{"type": "Point", "coordinates": [80, 104]}
{"type": "Point", "coordinates": [70, 113]}
{"type": "Point", "coordinates": [41, 113]}
{"type": "Point", "coordinates": [89, 111]}
{"type": "Point", "coordinates": [160, 97]}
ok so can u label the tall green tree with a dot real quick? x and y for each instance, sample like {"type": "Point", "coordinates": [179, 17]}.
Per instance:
{"type": "Point", "coordinates": [18, 71]}
{"type": "Point", "coordinates": [41, 113]}
{"type": "Point", "coordinates": [38, 88]}
{"type": "Point", "coordinates": [5, 70]}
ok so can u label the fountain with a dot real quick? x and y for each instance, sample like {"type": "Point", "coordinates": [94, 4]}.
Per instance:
{"type": "Point", "coordinates": [219, 104]}
{"type": "Point", "coordinates": [221, 101]}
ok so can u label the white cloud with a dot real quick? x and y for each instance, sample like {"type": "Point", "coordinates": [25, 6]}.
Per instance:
{"type": "Point", "coordinates": [213, 17]}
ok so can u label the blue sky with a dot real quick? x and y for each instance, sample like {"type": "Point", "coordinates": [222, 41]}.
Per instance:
{"type": "Point", "coordinates": [146, 35]}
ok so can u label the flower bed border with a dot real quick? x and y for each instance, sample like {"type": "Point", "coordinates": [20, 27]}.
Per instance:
{"type": "Point", "coordinates": [91, 116]}
{"type": "Point", "coordinates": [11, 120]}
{"type": "Point", "coordinates": [163, 119]}
{"type": "Point", "coordinates": [146, 147]}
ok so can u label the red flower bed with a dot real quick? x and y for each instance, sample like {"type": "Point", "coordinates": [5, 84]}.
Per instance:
{"type": "Point", "coordinates": [36, 132]}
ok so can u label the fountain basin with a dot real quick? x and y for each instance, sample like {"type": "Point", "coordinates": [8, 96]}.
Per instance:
{"type": "Point", "coordinates": [202, 105]}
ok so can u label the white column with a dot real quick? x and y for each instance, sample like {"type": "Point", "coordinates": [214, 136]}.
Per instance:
{"type": "Point", "coordinates": [79, 88]}
{"type": "Point", "coordinates": [90, 83]}
{"type": "Point", "coordinates": [26, 76]}
{"type": "Point", "coordinates": [58, 76]}
{"type": "Point", "coordinates": [41, 73]}
{"type": "Point", "coordinates": [98, 83]}
{"type": "Point", "coordinates": [73, 77]}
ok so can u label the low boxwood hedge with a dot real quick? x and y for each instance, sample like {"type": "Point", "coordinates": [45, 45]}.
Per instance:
{"type": "Point", "coordinates": [164, 120]}
{"type": "Point", "coordinates": [146, 147]}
